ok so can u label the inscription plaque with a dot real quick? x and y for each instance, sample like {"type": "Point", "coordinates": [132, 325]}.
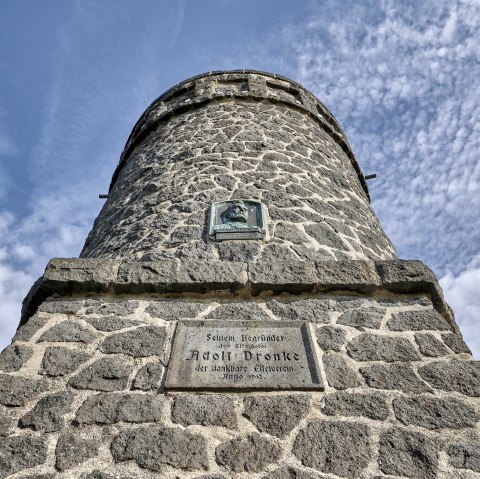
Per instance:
{"type": "Point", "coordinates": [243, 355]}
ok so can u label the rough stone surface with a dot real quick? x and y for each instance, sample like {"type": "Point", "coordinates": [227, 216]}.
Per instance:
{"type": "Point", "coordinates": [304, 309]}
{"type": "Point", "coordinates": [429, 345]}
{"type": "Point", "coordinates": [60, 361]}
{"type": "Point", "coordinates": [394, 376]}
{"type": "Point", "coordinates": [465, 455]}
{"type": "Point", "coordinates": [417, 320]}
{"type": "Point", "coordinates": [48, 414]}
{"type": "Point", "coordinates": [6, 422]}
{"type": "Point", "coordinates": [276, 415]}
{"type": "Point", "coordinates": [26, 332]}
{"type": "Point", "coordinates": [292, 473]}
{"type": "Point", "coordinates": [371, 347]}
{"type": "Point", "coordinates": [152, 447]}
{"type": "Point", "coordinates": [239, 311]}
{"type": "Point", "coordinates": [141, 342]}
{"type": "Point", "coordinates": [106, 308]}
{"type": "Point", "coordinates": [339, 448]}
{"type": "Point", "coordinates": [111, 323]}
{"type": "Point", "coordinates": [434, 413]}
{"type": "Point", "coordinates": [13, 357]}
{"type": "Point", "coordinates": [17, 390]}
{"type": "Point", "coordinates": [454, 375]}
{"type": "Point", "coordinates": [61, 307]}
{"type": "Point", "coordinates": [339, 374]}
{"type": "Point", "coordinates": [455, 343]}
{"type": "Point", "coordinates": [72, 450]}
{"type": "Point", "coordinates": [330, 338]}
{"type": "Point", "coordinates": [96, 474]}
{"type": "Point", "coordinates": [172, 310]}
{"type": "Point", "coordinates": [208, 410]}
{"type": "Point", "coordinates": [408, 453]}
{"type": "Point", "coordinates": [112, 408]}
{"type": "Point", "coordinates": [148, 377]}
{"type": "Point", "coordinates": [362, 318]}
{"type": "Point", "coordinates": [252, 453]}
{"type": "Point", "coordinates": [67, 331]}
{"type": "Point", "coordinates": [105, 374]}
{"type": "Point", "coordinates": [373, 406]}
{"type": "Point", "coordinates": [21, 452]}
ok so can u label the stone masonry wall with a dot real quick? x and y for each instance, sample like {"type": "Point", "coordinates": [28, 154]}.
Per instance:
{"type": "Point", "coordinates": [82, 385]}
{"type": "Point", "coordinates": [238, 135]}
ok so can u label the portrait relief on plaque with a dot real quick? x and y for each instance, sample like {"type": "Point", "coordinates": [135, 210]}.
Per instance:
{"type": "Point", "coordinates": [236, 219]}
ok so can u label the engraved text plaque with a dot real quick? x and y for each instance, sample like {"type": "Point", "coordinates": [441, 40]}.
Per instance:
{"type": "Point", "coordinates": [243, 355]}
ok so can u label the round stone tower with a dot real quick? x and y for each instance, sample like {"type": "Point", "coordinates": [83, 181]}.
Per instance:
{"type": "Point", "coordinates": [237, 311]}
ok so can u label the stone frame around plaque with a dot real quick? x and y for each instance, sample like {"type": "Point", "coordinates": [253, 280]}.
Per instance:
{"type": "Point", "coordinates": [237, 219]}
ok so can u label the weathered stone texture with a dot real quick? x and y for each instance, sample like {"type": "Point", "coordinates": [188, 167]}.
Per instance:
{"type": "Point", "coordinates": [152, 447]}
{"type": "Point", "coordinates": [239, 311]}
{"type": "Point", "coordinates": [60, 361]}
{"type": "Point", "coordinates": [340, 374]}
{"type": "Point", "coordinates": [25, 332]}
{"type": "Point", "coordinates": [330, 338]}
{"type": "Point", "coordinates": [394, 376]}
{"type": "Point", "coordinates": [465, 455]}
{"type": "Point", "coordinates": [48, 414]}
{"type": "Point", "coordinates": [148, 377]}
{"type": "Point", "coordinates": [172, 310]}
{"type": "Point", "coordinates": [305, 309]}
{"type": "Point", "coordinates": [13, 357]}
{"type": "Point", "coordinates": [252, 453]}
{"type": "Point", "coordinates": [105, 374]}
{"type": "Point", "coordinates": [107, 308]}
{"type": "Point", "coordinates": [61, 307]}
{"type": "Point", "coordinates": [112, 408]}
{"type": "Point", "coordinates": [293, 473]}
{"type": "Point", "coordinates": [417, 320]}
{"type": "Point", "coordinates": [455, 343]}
{"type": "Point", "coordinates": [111, 323]}
{"type": "Point", "coordinates": [370, 347]}
{"type": "Point", "coordinates": [206, 410]}
{"type": "Point", "coordinates": [340, 448]}
{"type": "Point", "coordinates": [21, 452]}
{"type": "Point", "coordinates": [408, 453]}
{"type": "Point", "coordinates": [429, 345]}
{"type": "Point", "coordinates": [373, 406]}
{"type": "Point", "coordinates": [68, 331]}
{"type": "Point", "coordinates": [434, 413]}
{"type": "Point", "coordinates": [73, 449]}
{"type": "Point", "coordinates": [276, 415]}
{"type": "Point", "coordinates": [141, 342]}
{"type": "Point", "coordinates": [362, 318]}
{"type": "Point", "coordinates": [17, 390]}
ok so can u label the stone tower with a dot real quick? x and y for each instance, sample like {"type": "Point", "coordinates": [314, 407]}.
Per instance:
{"type": "Point", "coordinates": [237, 311]}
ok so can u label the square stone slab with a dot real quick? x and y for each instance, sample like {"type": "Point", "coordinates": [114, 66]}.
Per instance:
{"type": "Point", "coordinates": [243, 355]}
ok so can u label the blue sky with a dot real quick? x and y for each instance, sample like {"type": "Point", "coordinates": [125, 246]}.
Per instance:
{"type": "Point", "coordinates": [401, 77]}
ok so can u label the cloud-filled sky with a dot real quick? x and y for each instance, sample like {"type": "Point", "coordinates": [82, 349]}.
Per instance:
{"type": "Point", "coordinates": [400, 77]}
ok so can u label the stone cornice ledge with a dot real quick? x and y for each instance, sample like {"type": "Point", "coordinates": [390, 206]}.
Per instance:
{"type": "Point", "coordinates": [68, 276]}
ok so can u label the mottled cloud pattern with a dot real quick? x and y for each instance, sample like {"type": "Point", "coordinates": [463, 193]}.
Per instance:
{"type": "Point", "coordinates": [400, 77]}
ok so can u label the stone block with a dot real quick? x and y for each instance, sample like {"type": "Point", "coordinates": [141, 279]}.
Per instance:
{"type": "Point", "coordinates": [252, 453]}
{"type": "Point", "coordinates": [239, 311]}
{"type": "Point", "coordinates": [21, 452]}
{"type": "Point", "coordinates": [455, 375]}
{"type": "Point", "coordinates": [115, 308]}
{"type": "Point", "coordinates": [96, 474]}
{"type": "Point", "coordinates": [394, 376]}
{"type": "Point", "coordinates": [455, 343]}
{"type": "Point", "coordinates": [430, 346]}
{"type": "Point", "coordinates": [111, 323]}
{"type": "Point", "coordinates": [313, 310]}
{"type": "Point", "coordinates": [405, 275]}
{"type": "Point", "coordinates": [67, 331]}
{"type": "Point", "coordinates": [371, 347]}
{"type": "Point", "coordinates": [174, 309]}
{"type": "Point", "coordinates": [291, 276]}
{"type": "Point", "coordinates": [206, 410]}
{"type": "Point", "coordinates": [373, 406]}
{"type": "Point", "coordinates": [293, 473]}
{"type": "Point", "coordinates": [73, 450]}
{"type": "Point", "coordinates": [434, 413]}
{"type": "Point", "coordinates": [152, 447]}
{"type": "Point", "coordinates": [408, 453]}
{"type": "Point", "coordinates": [238, 251]}
{"type": "Point", "coordinates": [13, 357]}
{"type": "Point", "coordinates": [105, 374]}
{"type": "Point", "coordinates": [276, 415]}
{"type": "Point", "coordinates": [330, 338]}
{"type": "Point", "coordinates": [141, 342]}
{"type": "Point", "coordinates": [417, 321]}
{"type": "Point", "coordinates": [61, 306]}
{"type": "Point", "coordinates": [17, 390]}
{"type": "Point", "coordinates": [48, 414]}
{"type": "Point", "coordinates": [363, 318]}
{"type": "Point", "coordinates": [61, 361]}
{"type": "Point", "coordinates": [341, 448]}
{"type": "Point", "coordinates": [148, 377]}
{"type": "Point", "coordinates": [340, 374]}
{"type": "Point", "coordinates": [26, 331]}
{"type": "Point", "coordinates": [465, 455]}
{"type": "Point", "coordinates": [111, 408]}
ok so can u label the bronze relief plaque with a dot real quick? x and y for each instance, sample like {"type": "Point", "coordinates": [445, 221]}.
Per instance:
{"type": "Point", "coordinates": [236, 219]}
{"type": "Point", "coordinates": [215, 354]}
